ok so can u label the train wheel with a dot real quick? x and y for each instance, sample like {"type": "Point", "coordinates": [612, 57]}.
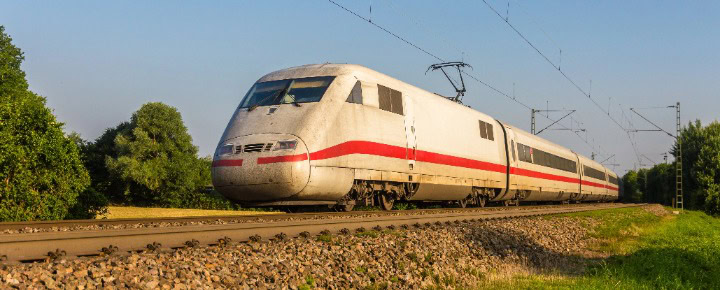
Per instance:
{"type": "Point", "coordinates": [462, 203]}
{"type": "Point", "coordinates": [481, 201]}
{"type": "Point", "coordinates": [386, 202]}
{"type": "Point", "coordinates": [344, 207]}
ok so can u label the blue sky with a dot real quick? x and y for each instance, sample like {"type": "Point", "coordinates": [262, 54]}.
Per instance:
{"type": "Point", "coordinates": [97, 62]}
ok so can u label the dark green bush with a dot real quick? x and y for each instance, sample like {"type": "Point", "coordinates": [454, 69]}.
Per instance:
{"type": "Point", "coordinates": [152, 162]}
{"type": "Point", "coordinates": [208, 200]}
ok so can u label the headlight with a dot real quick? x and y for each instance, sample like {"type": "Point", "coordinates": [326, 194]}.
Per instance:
{"type": "Point", "coordinates": [285, 145]}
{"type": "Point", "coordinates": [225, 149]}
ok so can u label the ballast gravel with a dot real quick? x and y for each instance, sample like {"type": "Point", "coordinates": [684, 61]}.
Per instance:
{"type": "Point", "coordinates": [446, 255]}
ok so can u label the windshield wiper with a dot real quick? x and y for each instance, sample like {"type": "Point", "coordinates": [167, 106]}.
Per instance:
{"type": "Point", "coordinates": [294, 101]}
{"type": "Point", "coordinates": [272, 96]}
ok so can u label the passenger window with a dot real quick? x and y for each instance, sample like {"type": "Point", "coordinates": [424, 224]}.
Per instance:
{"type": "Point", "coordinates": [355, 96]}
{"type": "Point", "coordinates": [513, 150]}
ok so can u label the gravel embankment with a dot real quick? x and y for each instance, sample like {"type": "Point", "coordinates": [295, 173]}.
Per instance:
{"type": "Point", "coordinates": [453, 255]}
{"type": "Point", "coordinates": [246, 219]}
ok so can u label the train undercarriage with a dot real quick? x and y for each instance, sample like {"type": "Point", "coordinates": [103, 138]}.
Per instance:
{"type": "Point", "coordinates": [385, 194]}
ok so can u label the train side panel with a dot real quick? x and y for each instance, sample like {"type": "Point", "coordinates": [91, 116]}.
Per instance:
{"type": "Point", "coordinates": [544, 171]}
{"type": "Point", "coordinates": [449, 156]}
{"type": "Point", "coordinates": [593, 180]}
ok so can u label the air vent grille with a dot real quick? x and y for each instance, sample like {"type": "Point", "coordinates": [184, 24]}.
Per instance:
{"type": "Point", "coordinates": [258, 147]}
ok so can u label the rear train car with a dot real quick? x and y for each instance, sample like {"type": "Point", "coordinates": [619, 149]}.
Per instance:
{"type": "Point", "coordinates": [542, 170]}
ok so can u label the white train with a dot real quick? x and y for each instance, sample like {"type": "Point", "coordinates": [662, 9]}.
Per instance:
{"type": "Point", "coordinates": [340, 134]}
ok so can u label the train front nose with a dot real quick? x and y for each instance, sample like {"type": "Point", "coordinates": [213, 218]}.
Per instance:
{"type": "Point", "coordinates": [261, 167]}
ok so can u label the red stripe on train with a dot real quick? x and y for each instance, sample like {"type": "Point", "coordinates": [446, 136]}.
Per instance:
{"type": "Point", "coordinates": [542, 175]}
{"type": "Point", "coordinates": [391, 151]}
{"type": "Point", "coordinates": [360, 147]}
{"type": "Point", "coordinates": [284, 158]}
{"type": "Point", "coordinates": [384, 150]}
{"type": "Point", "coordinates": [443, 159]}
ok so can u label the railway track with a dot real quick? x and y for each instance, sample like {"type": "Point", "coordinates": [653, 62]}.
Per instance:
{"type": "Point", "coordinates": [42, 226]}
{"type": "Point", "coordinates": [27, 247]}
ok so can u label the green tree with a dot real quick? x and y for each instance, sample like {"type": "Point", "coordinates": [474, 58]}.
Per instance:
{"type": "Point", "coordinates": [707, 170]}
{"type": "Point", "coordinates": [156, 160]}
{"type": "Point", "coordinates": [90, 202]}
{"type": "Point", "coordinates": [41, 174]}
{"type": "Point", "coordinates": [660, 184]}
{"type": "Point", "coordinates": [700, 168]}
{"type": "Point", "coordinates": [95, 153]}
{"type": "Point", "coordinates": [692, 138]}
{"type": "Point", "coordinates": [631, 187]}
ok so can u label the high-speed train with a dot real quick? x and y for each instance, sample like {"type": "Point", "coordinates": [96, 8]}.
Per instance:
{"type": "Point", "coordinates": [343, 134]}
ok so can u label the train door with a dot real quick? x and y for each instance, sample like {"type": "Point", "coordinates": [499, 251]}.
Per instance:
{"type": "Point", "coordinates": [578, 169]}
{"type": "Point", "coordinates": [410, 132]}
{"type": "Point", "coordinates": [510, 159]}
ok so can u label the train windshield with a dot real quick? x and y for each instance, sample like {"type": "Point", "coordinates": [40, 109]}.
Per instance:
{"type": "Point", "coordinates": [292, 91]}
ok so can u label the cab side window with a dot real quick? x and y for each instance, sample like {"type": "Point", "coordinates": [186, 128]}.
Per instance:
{"type": "Point", "coordinates": [390, 100]}
{"type": "Point", "coordinates": [355, 96]}
{"type": "Point", "coordinates": [486, 131]}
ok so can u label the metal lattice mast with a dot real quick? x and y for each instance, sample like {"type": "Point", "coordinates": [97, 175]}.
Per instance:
{"type": "Point", "coordinates": [678, 163]}
{"type": "Point", "coordinates": [678, 200]}
{"type": "Point", "coordinates": [532, 121]}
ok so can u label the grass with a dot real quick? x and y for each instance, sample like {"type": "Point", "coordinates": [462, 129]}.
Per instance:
{"type": "Point", "coordinates": [324, 238]}
{"type": "Point", "coordinates": [124, 212]}
{"type": "Point", "coordinates": [309, 283]}
{"type": "Point", "coordinates": [368, 234]}
{"type": "Point", "coordinates": [618, 228]}
{"type": "Point", "coordinates": [647, 252]}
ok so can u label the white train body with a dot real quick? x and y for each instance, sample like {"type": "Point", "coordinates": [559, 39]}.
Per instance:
{"type": "Point", "coordinates": [368, 134]}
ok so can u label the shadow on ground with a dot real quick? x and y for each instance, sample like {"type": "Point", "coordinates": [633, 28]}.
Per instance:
{"type": "Point", "coordinates": [555, 251]}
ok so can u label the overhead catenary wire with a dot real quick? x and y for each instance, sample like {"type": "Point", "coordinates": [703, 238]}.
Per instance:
{"type": "Point", "coordinates": [513, 98]}
{"type": "Point", "coordinates": [387, 31]}
{"type": "Point", "coordinates": [491, 87]}
{"type": "Point", "coordinates": [587, 94]}
{"type": "Point", "coordinates": [564, 74]}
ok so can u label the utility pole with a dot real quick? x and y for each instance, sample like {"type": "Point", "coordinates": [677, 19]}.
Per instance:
{"type": "Point", "coordinates": [678, 200]}
{"type": "Point", "coordinates": [532, 121]}
{"type": "Point", "coordinates": [678, 162]}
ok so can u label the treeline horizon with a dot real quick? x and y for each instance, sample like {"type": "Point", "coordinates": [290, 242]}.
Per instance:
{"type": "Point", "coordinates": [700, 172]}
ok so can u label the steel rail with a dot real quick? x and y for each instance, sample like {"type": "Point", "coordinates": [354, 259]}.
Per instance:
{"type": "Point", "coordinates": [259, 217]}
{"type": "Point", "coordinates": [51, 245]}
